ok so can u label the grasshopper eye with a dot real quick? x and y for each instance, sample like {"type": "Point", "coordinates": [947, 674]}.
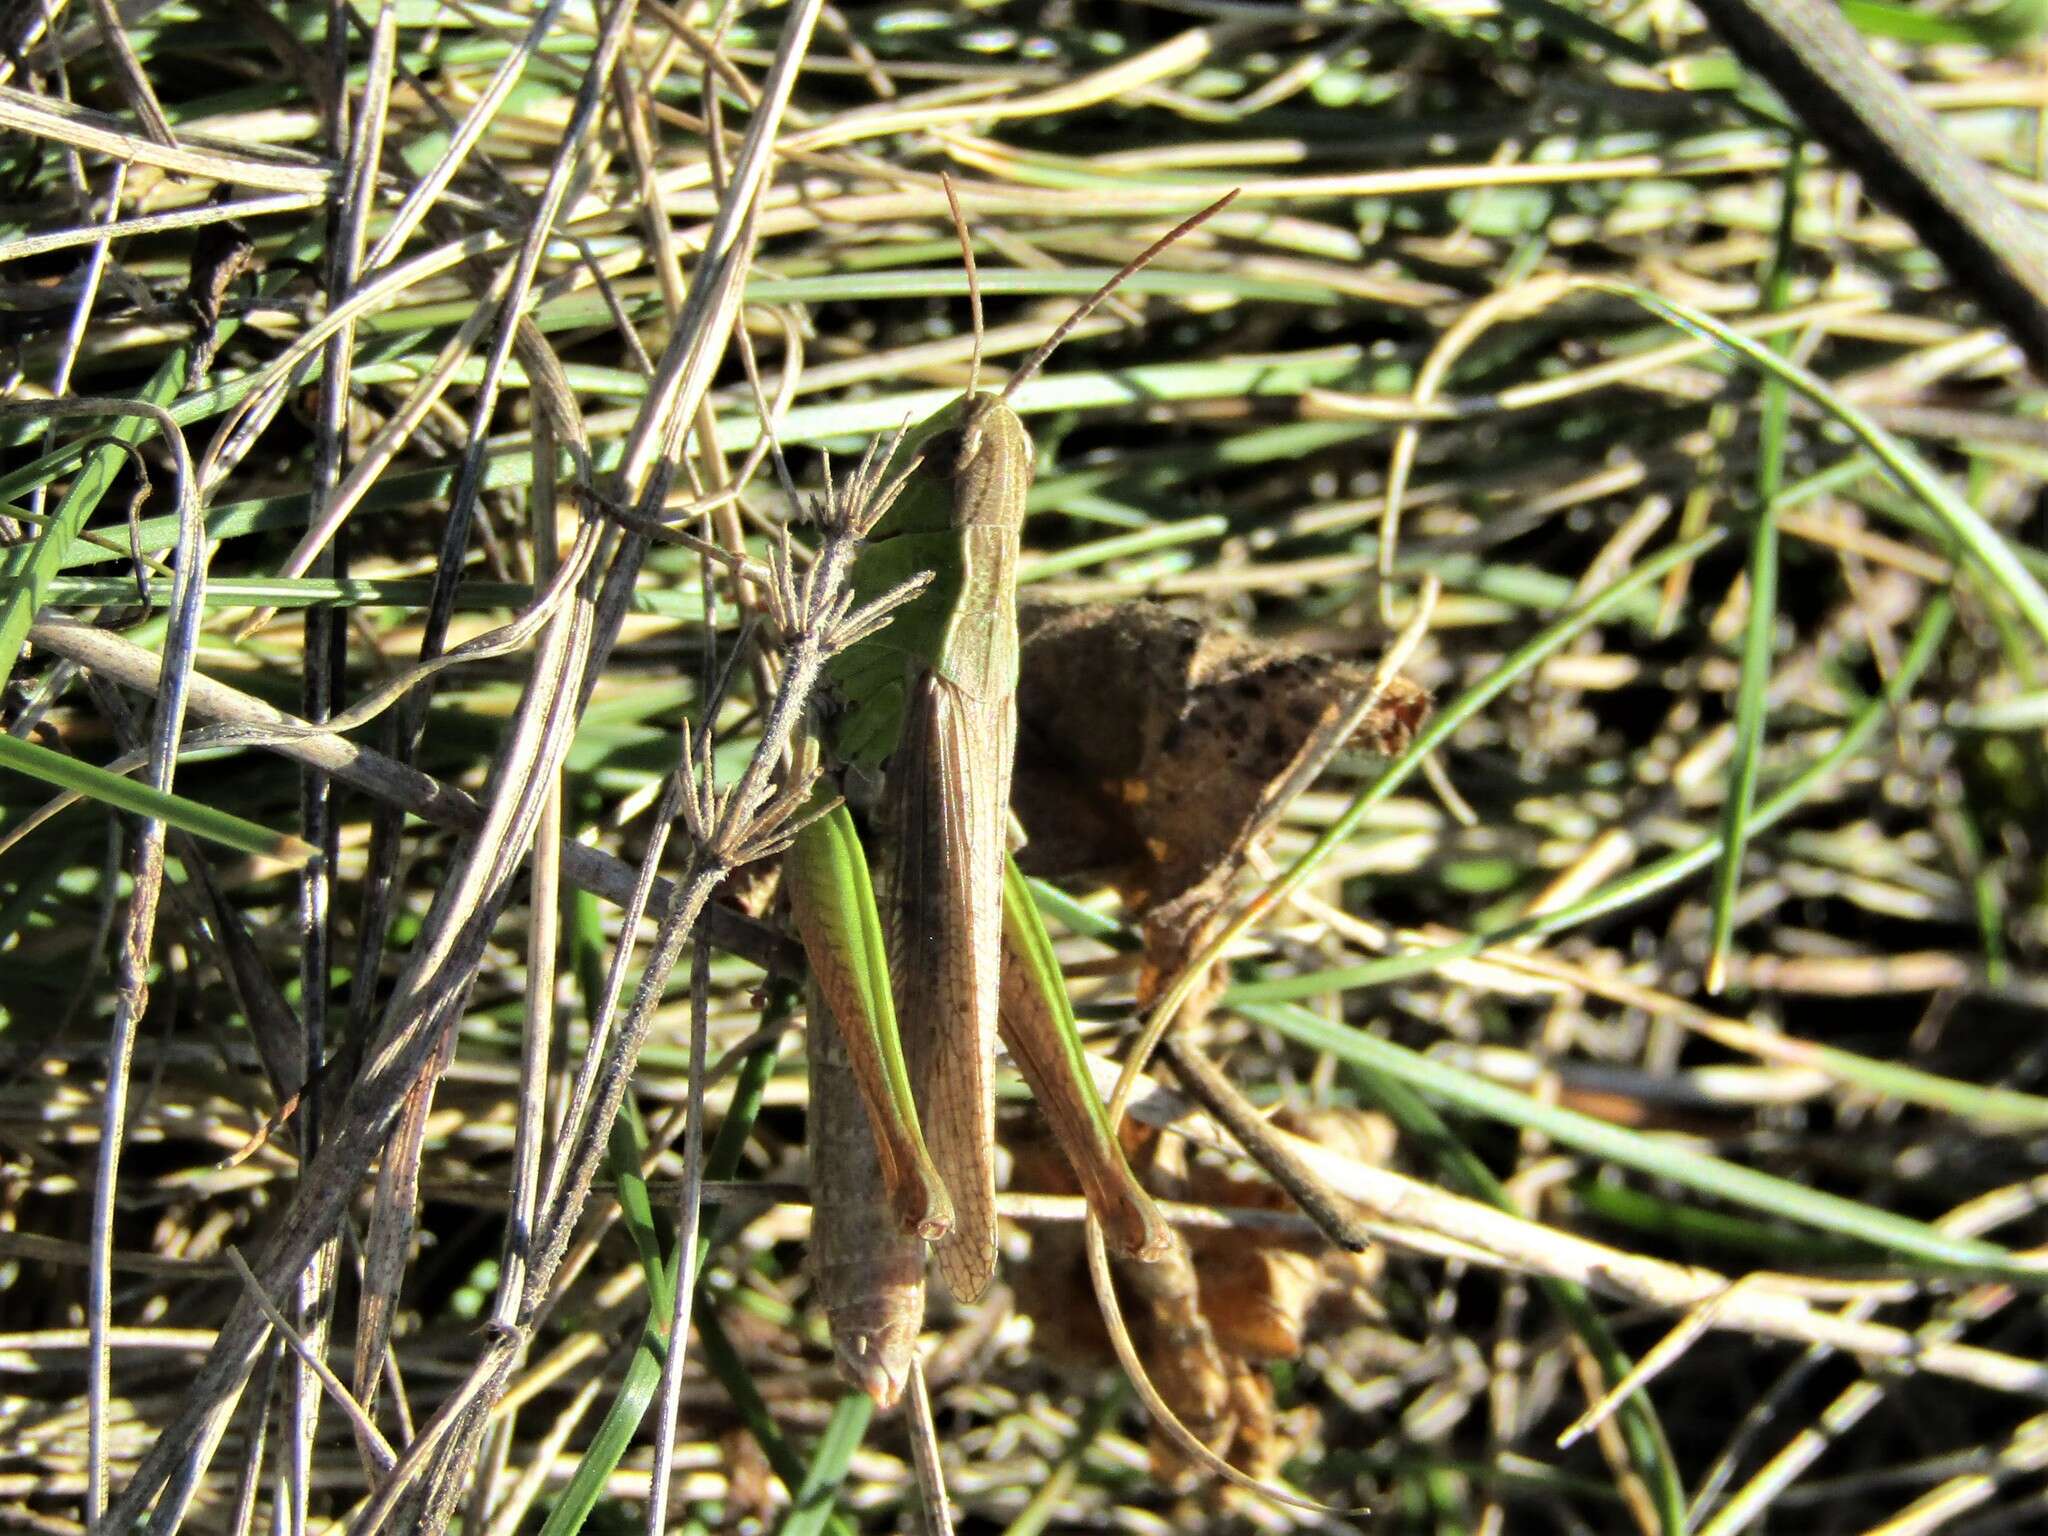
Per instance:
{"type": "Point", "coordinates": [950, 451]}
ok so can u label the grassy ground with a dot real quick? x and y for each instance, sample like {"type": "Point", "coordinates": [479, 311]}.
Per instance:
{"type": "Point", "coordinates": [1736, 504]}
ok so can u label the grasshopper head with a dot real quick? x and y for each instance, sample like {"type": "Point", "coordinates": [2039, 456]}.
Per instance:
{"type": "Point", "coordinates": [979, 445]}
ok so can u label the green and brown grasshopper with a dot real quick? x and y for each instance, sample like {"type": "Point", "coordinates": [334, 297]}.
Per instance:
{"type": "Point", "coordinates": [918, 965]}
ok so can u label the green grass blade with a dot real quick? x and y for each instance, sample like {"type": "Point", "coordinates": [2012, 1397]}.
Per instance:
{"type": "Point", "coordinates": [1989, 549]}
{"type": "Point", "coordinates": [830, 1458]}
{"type": "Point", "coordinates": [1914, 1241]}
{"type": "Point", "coordinates": [1761, 624]}
{"type": "Point", "coordinates": [29, 569]}
{"type": "Point", "coordinates": [125, 794]}
{"type": "Point", "coordinates": [724, 1362]}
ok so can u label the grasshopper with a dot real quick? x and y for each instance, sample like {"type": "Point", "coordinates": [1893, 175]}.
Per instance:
{"type": "Point", "coordinates": [916, 967]}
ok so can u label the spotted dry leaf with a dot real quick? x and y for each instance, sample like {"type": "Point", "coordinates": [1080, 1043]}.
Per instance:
{"type": "Point", "coordinates": [1153, 750]}
{"type": "Point", "coordinates": [1164, 736]}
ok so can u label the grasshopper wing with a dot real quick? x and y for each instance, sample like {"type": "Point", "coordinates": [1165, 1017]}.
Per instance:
{"type": "Point", "coordinates": [947, 794]}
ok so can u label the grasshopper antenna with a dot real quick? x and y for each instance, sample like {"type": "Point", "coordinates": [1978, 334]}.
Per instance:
{"type": "Point", "coordinates": [973, 279]}
{"type": "Point", "coordinates": [1088, 306]}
